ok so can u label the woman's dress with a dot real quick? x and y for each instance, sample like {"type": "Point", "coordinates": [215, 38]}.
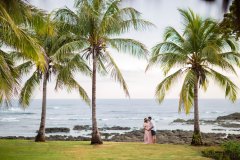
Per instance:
{"type": "Point", "coordinates": [148, 139]}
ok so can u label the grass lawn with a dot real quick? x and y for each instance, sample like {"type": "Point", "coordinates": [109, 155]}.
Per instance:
{"type": "Point", "coordinates": [66, 150]}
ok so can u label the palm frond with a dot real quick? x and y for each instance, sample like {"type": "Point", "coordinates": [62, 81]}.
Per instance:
{"type": "Point", "coordinates": [225, 83]}
{"type": "Point", "coordinates": [28, 89]}
{"type": "Point", "coordinates": [187, 93]}
{"type": "Point", "coordinates": [66, 79]}
{"type": "Point", "coordinates": [116, 73]}
{"type": "Point", "coordinates": [130, 46]}
{"type": "Point", "coordinates": [165, 85]}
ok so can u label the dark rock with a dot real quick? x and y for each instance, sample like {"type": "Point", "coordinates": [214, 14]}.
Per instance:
{"type": "Point", "coordinates": [87, 127]}
{"type": "Point", "coordinates": [218, 129]}
{"type": "Point", "coordinates": [234, 116]}
{"type": "Point", "coordinates": [56, 130]}
{"type": "Point", "coordinates": [179, 120]}
{"type": "Point", "coordinates": [230, 125]}
{"type": "Point", "coordinates": [116, 128]}
{"type": "Point", "coordinates": [80, 128]}
{"type": "Point", "coordinates": [191, 121]}
{"type": "Point", "coordinates": [235, 130]}
{"type": "Point", "coordinates": [208, 121]}
{"type": "Point", "coordinates": [163, 136]}
{"type": "Point", "coordinates": [168, 136]}
{"type": "Point", "coordinates": [107, 135]}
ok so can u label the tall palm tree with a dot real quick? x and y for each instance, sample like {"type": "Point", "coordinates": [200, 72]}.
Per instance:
{"type": "Point", "coordinates": [197, 54]}
{"type": "Point", "coordinates": [16, 17]}
{"type": "Point", "coordinates": [64, 68]}
{"type": "Point", "coordinates": [96, 25]}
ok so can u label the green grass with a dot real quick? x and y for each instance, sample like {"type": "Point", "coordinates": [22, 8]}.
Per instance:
{"type": "Point", "coordinates": [65, 150]}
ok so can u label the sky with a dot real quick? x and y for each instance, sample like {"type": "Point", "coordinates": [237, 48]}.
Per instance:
{"type": "Point", "coordinates": [162, 13]}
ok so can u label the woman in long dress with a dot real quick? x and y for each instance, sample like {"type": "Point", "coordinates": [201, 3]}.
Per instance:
{"type": "Point", "coordinates": [147, 132]}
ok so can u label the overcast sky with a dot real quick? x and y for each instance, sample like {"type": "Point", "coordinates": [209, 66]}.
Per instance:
{"type": "Point", "coordinates": [162, 13]}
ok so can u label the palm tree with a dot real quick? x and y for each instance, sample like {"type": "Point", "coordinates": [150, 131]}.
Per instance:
{"type": "Point", "coordinates": [16, 17]}
{"type": "Point", "coordinates": [63, 68]}
{"type": "Point", "coordinates": [96, 24]}
{"type": "Point", "coordinates": [197, 54]}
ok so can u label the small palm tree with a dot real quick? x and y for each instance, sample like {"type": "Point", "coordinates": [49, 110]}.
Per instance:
{"type": "Point", "coordinates": [63, 69]}
{"type": "Point", "coordinates": [95, 25]}
{"type": "Point", "coordinates": [16, 17]}
{"type": "Point", "coordinates": [195, 54]}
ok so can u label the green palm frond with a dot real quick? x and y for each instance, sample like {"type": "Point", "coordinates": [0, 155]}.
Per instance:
{"type": "Point", "coordinates": [66, 15]}
{"type": "Point", "coordinates": [165, 85]}
{"type": "Point", "coordinates": [75, 63]}
{"type": "Point", "coordinates": [62, 51]}
{"type": "Point", "coordinates": [187, 93]}
{"type": "Point", "coordinates": [116, 74]}
{"type": "Point", "coordinates": [131, 46]}
{"type": "Point", "coordinates": [9, 78]}
{"type": "Point", "coordinates": [173, 34]}
{"type": "Point", "coordinates": [232, 57]}
{"type": "Point", "coordinates": [16, 37]}
{"type": "Point", "coordinates": [225, 83]}
{"type": "Point", "coordinates": [28, 89]}
{"type": "Point", "coordinates": [24, 68]}
{"type": "Point", "coordinates": [66, 79]}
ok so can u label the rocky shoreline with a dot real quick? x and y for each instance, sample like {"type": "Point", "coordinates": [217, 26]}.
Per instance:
{"type": "Point", "coordinates": [228, 121]}
{"type": "Point", "coordinates": [163, 136]}
{"type": "Point", "coordinates": [125, 134]}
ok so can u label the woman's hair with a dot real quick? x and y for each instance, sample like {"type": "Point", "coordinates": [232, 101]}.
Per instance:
{"type": "Point", "coordinates": [145, 120]}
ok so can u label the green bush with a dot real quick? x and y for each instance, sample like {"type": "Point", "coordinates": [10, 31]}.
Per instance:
{"type": "Point", "coordinates": [230, 151]}
{"type": "Point", "coordinates": [213, 153]}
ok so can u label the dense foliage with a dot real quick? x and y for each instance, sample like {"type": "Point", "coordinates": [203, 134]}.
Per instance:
{"type": "Point", "coordinates": [229, 151]}
{"type": "Point", "coordinates": [231, 22]}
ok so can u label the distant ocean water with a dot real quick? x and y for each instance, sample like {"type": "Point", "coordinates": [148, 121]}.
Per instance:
{"type": "Point", "coordinates": [15, 121]}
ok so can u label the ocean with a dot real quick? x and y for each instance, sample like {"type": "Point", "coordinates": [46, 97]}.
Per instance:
{"type": "Point", "coordinates": [15, 121]}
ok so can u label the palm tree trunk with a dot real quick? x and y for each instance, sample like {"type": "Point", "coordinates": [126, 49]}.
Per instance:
{"type": "Point", "coordinates": [196, 139]}
{"type": "Point", "coordinates": [96, 138]}
{"type": "Point", "coordinates": [41, 132]}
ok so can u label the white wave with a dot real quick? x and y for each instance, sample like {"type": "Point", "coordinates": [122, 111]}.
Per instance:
{"type": "Point", "coordinates": [12, 109]}
{"type": "Point", "coordinates": [213, 112]}
{"type": "Point", "coordinates": [9, 120]}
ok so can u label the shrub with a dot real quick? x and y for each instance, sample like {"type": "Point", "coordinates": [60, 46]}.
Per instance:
{"type": "Point", "coordinates": [213, 153]}
{"type": "Point", "coordinates": [229, 151]}
{"type": "Point", "coordinates": [232, 149]}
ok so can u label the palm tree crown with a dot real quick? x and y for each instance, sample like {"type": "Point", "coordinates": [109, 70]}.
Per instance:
{"type": "Point", "coordinates": [17, 19]}
{"type": "Point", "coordinates": [197, 54]}
{"type": "Point", "coordinates": [53, 42]}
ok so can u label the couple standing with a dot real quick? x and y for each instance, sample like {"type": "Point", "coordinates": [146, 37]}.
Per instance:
{"type": "Point", "coordinates": [149, 131]}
